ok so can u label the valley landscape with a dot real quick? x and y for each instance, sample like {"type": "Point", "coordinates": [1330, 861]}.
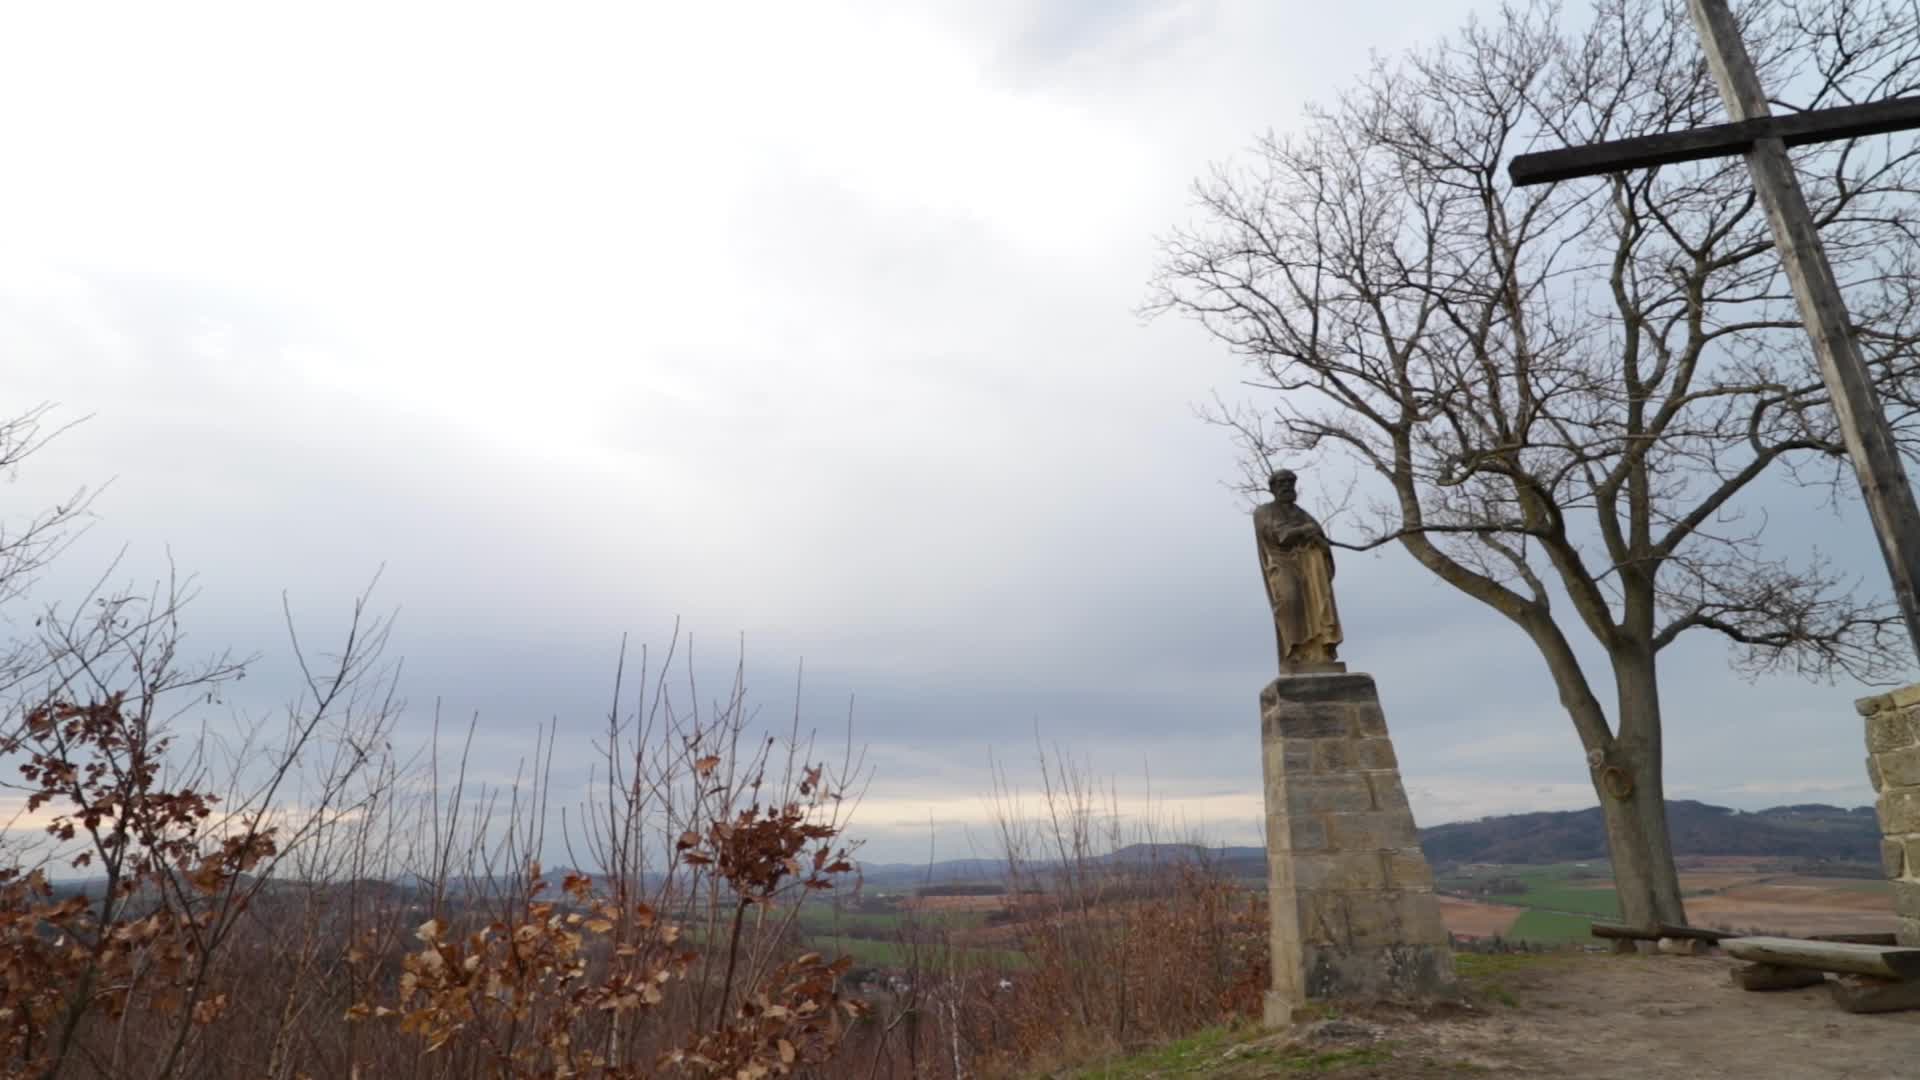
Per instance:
{"type": "Point", "coordinates": [1527, 880]}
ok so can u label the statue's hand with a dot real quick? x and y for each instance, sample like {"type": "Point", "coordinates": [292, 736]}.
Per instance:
{"type": "Point", "coordinates": [1295, 535]}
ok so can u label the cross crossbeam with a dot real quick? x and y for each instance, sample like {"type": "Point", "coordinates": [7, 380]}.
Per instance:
{"type": "Point", "coordinates": [1718, 140]}
{"type": "Point", "coordinates": [1762, 139]}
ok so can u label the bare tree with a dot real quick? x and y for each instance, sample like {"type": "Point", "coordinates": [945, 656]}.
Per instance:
{"type": "Point", "coordinates": [29, 542]}
{"type": "Point", "coordinates": [1574, 396]}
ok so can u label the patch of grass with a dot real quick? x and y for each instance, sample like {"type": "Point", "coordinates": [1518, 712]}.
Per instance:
{"type": "Point", "coordinates": [1487, 974]}
{"type": "Point", "coordinates": [1182, 1057]}
{"type": "Point", "coordinates": [1329, 1060]}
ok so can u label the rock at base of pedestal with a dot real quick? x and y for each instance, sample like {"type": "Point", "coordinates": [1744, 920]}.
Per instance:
{"type": "Point", "coordinates": [1390, 972]}
{"type": "Point", "coordinates": [1354, 916]}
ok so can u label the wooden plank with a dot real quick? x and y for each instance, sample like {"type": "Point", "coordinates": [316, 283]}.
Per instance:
{"type": "Point", "coordinates": [1716, 140]}
{"type": "Point", "coordinates": [1864, 994]}
{"type": "Point", "coordinates": [1863, 426]}
{"type": "Point", "coordinates": [1858, 939]}
{"type": "Point", "coordinates": [1655, 933]}
{"type": "Point", "coordinates": [1774, 977]}
{"type": "Point", "coordinates": [1880, 961]}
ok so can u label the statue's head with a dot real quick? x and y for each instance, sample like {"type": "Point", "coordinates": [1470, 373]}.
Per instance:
{"type": "Point", "coordinates": [1283, 484]}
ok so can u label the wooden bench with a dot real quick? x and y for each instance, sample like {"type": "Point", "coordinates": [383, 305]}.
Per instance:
{"type": "Point", "coordinates": [1871, 978]}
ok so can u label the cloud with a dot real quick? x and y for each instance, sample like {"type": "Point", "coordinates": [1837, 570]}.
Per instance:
{"type": "Point", "coordinates": [814, 324]}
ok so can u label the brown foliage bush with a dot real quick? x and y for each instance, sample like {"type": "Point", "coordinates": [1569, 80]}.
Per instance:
{"type": "Point", "coordinates": [316, 919]}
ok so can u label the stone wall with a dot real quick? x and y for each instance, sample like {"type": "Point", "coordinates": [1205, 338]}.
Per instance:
{"type": "Point", "coordinates": [1354, 914]}
{"type": "Point", "coordinates": [1893, 764]}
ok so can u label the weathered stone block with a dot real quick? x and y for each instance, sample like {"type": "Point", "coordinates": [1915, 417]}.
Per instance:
{"type": "Point", "coordinates": [1899, 768]}
{"type": "Point", "coordinates": [1373, 830]}
{"type": "Point", "coordinates": [1906, 899]}
{"type": "Point", "coordinates": [1376, 754]}
{"type": "Point", "coordinates": [1407, 868]}
{"type": "Point", "coordinates": [1297, 755]}
{"type": "Point", "coordinates": [1420, 916]}
{"type": "Point", "coordinates": [1873, 773]}
{"type": "Point", "coordinates": [1899, 811]}
{"type": "Point", "coordinates": [1388, 792]}
{"type": "Point", "coordinates": [1305, 833]}
{"type": "Point", "coordinates": [1337, 871]}
{"type": "Point", "coordinates": [1369, 721]}
{"type": "Point", "coordinates": [1890, 729]}
{"type": "Point", "coordinates": [1333, 755]}
{"type": "Point", "coordinates": [1316, 794]}
{"type": "Point", "coordinates": [1912, 846]}
{"type": "Point", "coordinates": [1308, 720]}
{"type": "Point", "coordinates": [1366, 919]}
{"type": "Point", "coordinates": [1903, 698]}
{"type": "Point", "coordinates": [1908, 933]}
{"type": "Point", "coordinates": [1309, 689]}
{"type": "Point", "coordinates": [1893, 857]}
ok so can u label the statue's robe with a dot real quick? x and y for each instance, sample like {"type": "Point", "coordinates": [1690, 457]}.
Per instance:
{"type": "Point", "coordinates": [1299, 586]}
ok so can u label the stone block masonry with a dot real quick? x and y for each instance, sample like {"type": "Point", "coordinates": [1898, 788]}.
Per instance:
{"type": "Point", "coordinates": [1354, 917]}
{"type": "Point", "coordinates": [1893, 764]}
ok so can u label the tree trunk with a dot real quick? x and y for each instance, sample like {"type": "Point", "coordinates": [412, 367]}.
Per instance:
{"type": "Point", "coordinates": [1633, 799]}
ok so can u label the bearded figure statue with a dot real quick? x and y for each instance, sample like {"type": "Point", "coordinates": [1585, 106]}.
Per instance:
{"type": "Point", "coordinates": [1297, 562]}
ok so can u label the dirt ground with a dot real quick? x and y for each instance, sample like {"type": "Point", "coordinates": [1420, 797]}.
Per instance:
{"type": "Point", "coordinates": [1589, 1017]}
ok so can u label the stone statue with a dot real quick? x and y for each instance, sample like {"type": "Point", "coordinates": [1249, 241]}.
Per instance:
{"type": "Point", "coordinates": [1297, 563]}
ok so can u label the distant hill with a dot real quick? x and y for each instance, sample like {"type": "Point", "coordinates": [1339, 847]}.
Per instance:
{"type": "Point", "coordinates": [1805, 831]}
{"type": "Point", "coordinates": [1809, 830]}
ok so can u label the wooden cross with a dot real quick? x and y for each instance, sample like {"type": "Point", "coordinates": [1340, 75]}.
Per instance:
{"type": "Point", "coordinates": [1764, 139]}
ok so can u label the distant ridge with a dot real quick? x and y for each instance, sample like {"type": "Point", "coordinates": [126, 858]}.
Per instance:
{"type": "Point", "coordinates": [1808, 830]}
{"type": "Point", "coordinates": [1805, 831]}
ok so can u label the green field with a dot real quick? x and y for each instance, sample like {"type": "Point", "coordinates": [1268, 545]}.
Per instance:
{"type": "Point", "coordinates": [1572, 888]}
{"type": "Point", "coordinates": [1551, 928]}
{"type": "Point", "coordinates": [1602, 901]}
{"type": "Point", "coordinates": [1562, 899]}
{"type": "Point", "coordinates": [1865, 885]}
{"type": "Point", "coordinates": [821, 919]}
{"type": "Point", "coordinates": [894, 954]}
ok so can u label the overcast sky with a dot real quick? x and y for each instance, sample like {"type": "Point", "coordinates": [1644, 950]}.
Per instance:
{"type": "Point", "coordinates": [811, 323]}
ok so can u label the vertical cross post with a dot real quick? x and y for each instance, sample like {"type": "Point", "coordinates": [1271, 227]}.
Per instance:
{"type": "Point", "coordinates": [1863, 425]}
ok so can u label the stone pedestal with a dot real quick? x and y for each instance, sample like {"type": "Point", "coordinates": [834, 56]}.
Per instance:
{"type": "Point", "coordinates": [1351, 896]}
{"type": "Point", "coordinates": [1893, 764]}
